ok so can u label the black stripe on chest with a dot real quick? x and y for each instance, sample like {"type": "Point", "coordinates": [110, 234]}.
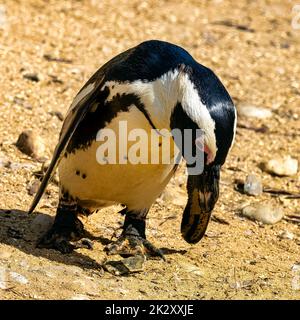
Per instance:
{"type": "Point", "coordinates": [104, 113]}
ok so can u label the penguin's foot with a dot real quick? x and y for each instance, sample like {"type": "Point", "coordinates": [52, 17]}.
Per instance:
{"type": "Point", "coordinates": [62, 244]}
{"type": "Point", "coordinates": [65, 235]}
{"type": "Point", "coordinates": [133, 241]}
{"type": "Point", "coordinates": [131, 245]}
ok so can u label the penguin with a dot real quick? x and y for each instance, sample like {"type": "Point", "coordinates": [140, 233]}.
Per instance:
{"type": "Point", "coordinates": [153, 86]}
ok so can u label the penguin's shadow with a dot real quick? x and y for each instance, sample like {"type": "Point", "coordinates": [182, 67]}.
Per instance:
{"type": "Point", "coordinates": [15, 231]}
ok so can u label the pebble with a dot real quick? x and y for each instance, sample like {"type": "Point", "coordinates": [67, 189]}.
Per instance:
{"type": "Point", "coordinates": [58, 114]}
{"type": "Point", "coordinates": [31, 144]}
{"type": "Point", "coordinates": [286, 166]}
{"type": "Point", "coordinates": [21, 102]}
{"type": "Point", "coordinates": [17, 166]}
{"type": "Point", "coordinates": [33, 187]}
{"type": "Point", "coordinates": [41, 223]}
{"type": "Point", "coordinates": [32, 77]}
{"type": "Point", "coordinates": [18, 278]}
{"type": "Point", "coordinates": [190, 268]}
{"type": "Point", "coordinates": [125, 266]}
{"type": "Point", "coordinates": [263, 212]}
{"type": "Point", "coordinates": [253, 185]}
{"type": "Point", "coordinates": [286, 235]}
{"type": "Point", "coordinates": [251, 111]}
{"type": "Point", "coordinates": [8, 277]}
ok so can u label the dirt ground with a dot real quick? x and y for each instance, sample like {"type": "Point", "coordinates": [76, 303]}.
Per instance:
{"type": "Point", "coordinates": [252, 47]}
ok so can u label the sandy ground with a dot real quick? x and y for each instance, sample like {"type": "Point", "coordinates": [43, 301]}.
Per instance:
{"type": "Point", "coordinates": [252, 47]}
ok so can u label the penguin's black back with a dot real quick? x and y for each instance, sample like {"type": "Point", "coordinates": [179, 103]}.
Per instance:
{"type": "Point", "coordinates": [147, 61]}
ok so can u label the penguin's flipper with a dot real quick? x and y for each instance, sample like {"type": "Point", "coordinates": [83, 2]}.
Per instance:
{"type": "Point", "coordinates": [86, 98]}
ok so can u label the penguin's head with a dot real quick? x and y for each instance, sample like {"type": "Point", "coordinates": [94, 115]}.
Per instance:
{"type": "Point", "coordinates": [206, 105]}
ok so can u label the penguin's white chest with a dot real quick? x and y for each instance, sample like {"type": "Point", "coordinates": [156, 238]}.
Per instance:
{"type": "Point", "coordinates": [131, 165]}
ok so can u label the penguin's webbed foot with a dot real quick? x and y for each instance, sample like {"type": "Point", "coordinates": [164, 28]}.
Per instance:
{"type": "Point", "coordinates": [65, 235]}
{"type": "Point", "coordinates": [131, 245]}
{"type": "Point", "coordinates": [133, 241]}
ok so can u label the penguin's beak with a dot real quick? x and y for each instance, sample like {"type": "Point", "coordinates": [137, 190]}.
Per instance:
{"type": "Point", "coordinates": [203, 193]}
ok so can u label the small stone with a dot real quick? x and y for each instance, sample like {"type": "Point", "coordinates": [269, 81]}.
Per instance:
{"type": "Point", "coordinates": [248, 110]}
{"type": "Point", "coordinates": [41, 223]}
{"type": "Point", "coordinates": [190, 268]}
{"type": "Point", "coordinates": [58, 114]}
{"type": "Point", "coordinates": [31, 144]}
{"type": "Point", "coordinates": [134, 264]}
{"type": "Point", "coordinates": [286, 235]}
{"type": "Point", "coordinates": [18, 278]}
{"type": "Point", "coordinates": [116, 268]}
{"type": "Point", "coordinates": [32, 77]}
{"type": "Point", "coordinates": [253, 185]}
{"type": "Point", "coordinates": [125, 266]}
{"type": "Point", "coordinates": [33, 187]}
{"type": "Point", "coordinates": [22, 102]}
{"type": "Point", "coordinates": [17, 166]}
{"type": "Point", "coordinates": [263, 212]}
{"type": "Point", "coordinates": [286, 166]}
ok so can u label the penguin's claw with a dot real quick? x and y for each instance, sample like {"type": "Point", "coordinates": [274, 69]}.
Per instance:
{"type": "Point", "coordinates": [62, 244]}
{"type": "Point", "coordinates": [131, 245]}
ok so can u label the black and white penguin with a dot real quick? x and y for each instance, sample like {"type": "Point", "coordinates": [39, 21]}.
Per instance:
{"type": "Point", "coordinates": [153, 86]}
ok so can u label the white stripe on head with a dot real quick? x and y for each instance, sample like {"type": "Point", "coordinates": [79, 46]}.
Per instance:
{"type": "Point", "coordinates": [197, 111]}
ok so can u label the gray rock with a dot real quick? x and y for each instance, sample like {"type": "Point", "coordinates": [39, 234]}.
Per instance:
{"type": "Point", "coordinates": [251, 111]}
{"type": "Point", "coordinates": [263, 212]}
{"type": "Point", "coordinates": [286, 166]}
{"type": "Point", "coordinates": [253, 185]}
{"type": "Point", "coordinates": [31, 144]}
{"type": "Point", "coordinates": [41, 223]}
